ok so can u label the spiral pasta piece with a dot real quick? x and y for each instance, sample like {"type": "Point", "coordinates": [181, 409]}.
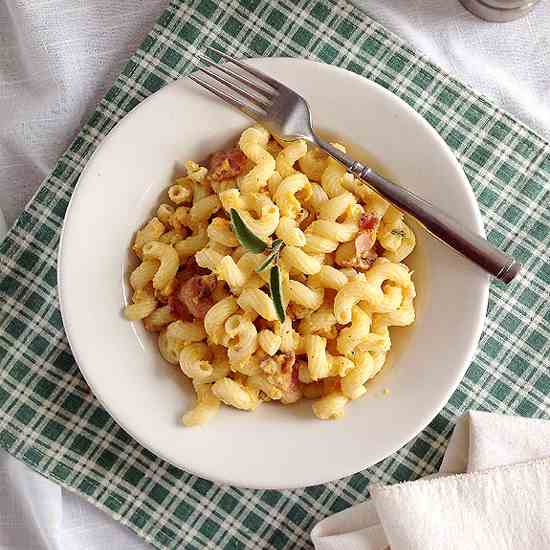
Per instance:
{"type": "Point", "coordinates": [285, 196]}
{"type": "Point", "coordinates": [253, 142]}
{"type": "Point", "coordinates": [288, 156]}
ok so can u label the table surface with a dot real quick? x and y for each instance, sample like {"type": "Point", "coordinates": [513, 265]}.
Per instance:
{"type": "Point", "coordinates": [57, 60]}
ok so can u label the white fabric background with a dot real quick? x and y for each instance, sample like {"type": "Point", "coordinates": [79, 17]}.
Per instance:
{"type": "Point", "coordinates": [58, 57]}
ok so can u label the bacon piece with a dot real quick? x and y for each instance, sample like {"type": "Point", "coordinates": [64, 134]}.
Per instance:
{"type": "Point", "coordinates": [177, 308]}
{"type": "Point", "coordinates": [196, 294]}
{"type": "Point", "coordinates": [368, 222]}
{"type": "Point", "coordinates": [378, 248]}
{"type": "Point", "coordinates": [331, 384]}
{"type": "Point", "coordinates": [364, 256]}
{"type": "Point", "coordinates": [295, 380]}
{"type": "Point", "coordinates": [292, 391]}
{"type": "Point", "coordinates": [364, 253]}
{"type": "Point", "coordinates": [262, 324]}
{"type": "Point", "coordinates": [286, 361]}
{"type": "Point", "coordinates": [279, 369]}
{"type": "Point", "coordinates": [188, 270]}
{"type": "Point", "coordinates": [225, 165]}
{"type": "Point", "coordinates": [362, 264]}
{"type": "Point", "coordinates": [304, 218]}
{"type": "Point", "coordinates": [364, 242]}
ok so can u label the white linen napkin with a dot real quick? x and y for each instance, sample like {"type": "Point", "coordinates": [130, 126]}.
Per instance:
{"type": "Point", "coordinates": [492, 493]}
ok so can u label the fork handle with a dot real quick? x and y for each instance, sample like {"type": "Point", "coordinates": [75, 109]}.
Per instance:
{"type": "Point", "coordinates": [436, 221]}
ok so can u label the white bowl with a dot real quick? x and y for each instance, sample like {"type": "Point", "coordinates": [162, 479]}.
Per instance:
{"type": "Point", "coordinates": [275, 447]}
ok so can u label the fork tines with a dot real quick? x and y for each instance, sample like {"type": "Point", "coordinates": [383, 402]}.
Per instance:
{"type": "Point", "coordinates": [253, 90]}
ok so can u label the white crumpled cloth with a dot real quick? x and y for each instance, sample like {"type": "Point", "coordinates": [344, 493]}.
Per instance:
{"type": "Point", "coordinates": [58, 57]}
{"type": "Point", "coordinates": [491, 493]}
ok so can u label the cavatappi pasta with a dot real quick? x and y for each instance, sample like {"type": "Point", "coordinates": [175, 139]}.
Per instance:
{"type": "Point", "coordinates": [343, 280]}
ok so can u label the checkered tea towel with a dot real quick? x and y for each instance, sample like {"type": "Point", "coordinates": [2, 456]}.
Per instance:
{"type": "Point", "coordinates": [49, 419]}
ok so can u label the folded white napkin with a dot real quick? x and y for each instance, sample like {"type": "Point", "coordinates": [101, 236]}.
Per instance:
{"type": "Point", "coordinates": [492, 493]}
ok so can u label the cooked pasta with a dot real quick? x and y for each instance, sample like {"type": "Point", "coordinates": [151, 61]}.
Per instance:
{"type": "Point", "coordinates": [207, 293]}
{"type": "Point", "coordinates": [206, 407]}
{"type": "Point", "coordinates": [269, 341]}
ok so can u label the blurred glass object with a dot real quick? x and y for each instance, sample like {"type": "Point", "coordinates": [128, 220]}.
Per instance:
{"type": "Point", "coordinates": [499, 10]}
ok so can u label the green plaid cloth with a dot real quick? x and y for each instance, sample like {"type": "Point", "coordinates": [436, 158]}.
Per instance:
{"type": "Point", "coordinates": [49, 419]}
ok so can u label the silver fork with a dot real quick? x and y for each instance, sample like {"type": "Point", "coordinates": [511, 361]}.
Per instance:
{"type": "Point", "coordinates": [286, 114]}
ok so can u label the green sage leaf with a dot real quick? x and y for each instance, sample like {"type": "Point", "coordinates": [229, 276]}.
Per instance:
{"type": "Point", "coordinates": [276, 288]}
{"type": "Point", "coordinates": [277, 245]}
{"type": "Point", "coordinates": [273, 258]}
{"type": "Point", "coordinates": [244, 235]}
{"type": "Point", "coordinates": [269, 262]}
